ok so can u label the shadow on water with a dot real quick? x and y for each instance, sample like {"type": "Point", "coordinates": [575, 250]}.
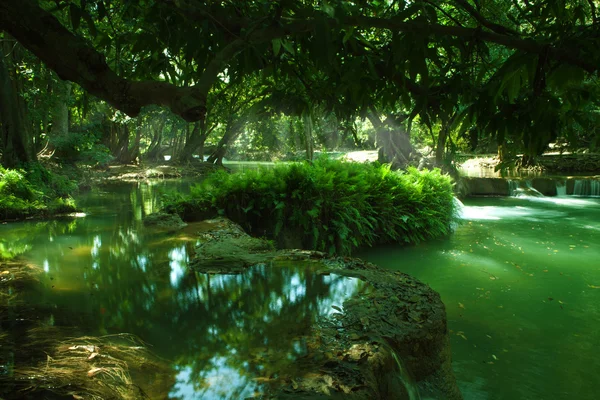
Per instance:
{"type": "Point", "coordinates": [222, 336]}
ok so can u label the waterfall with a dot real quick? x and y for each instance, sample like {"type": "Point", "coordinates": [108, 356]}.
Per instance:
{"type": "Point", "coordinates": [513, 186]}
{"type": "Point", "coordinates": [522, 189]}
{"type": "Point", "coordinates": [587, 188]}
{"type": "Point", "coordinates": [561, 188]}
{"type": "Point", "coordinates": [531, 191]}
{"type": "Point", "coordinates": [405, 379]}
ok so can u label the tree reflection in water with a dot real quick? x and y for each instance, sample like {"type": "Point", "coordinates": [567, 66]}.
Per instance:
{"type": "Point", "coordinates": [225, 335]}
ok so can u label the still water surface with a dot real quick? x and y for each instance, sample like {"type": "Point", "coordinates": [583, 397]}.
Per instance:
{"type": "Point", "coordinates": [223, 336]}
{"type": "Point", "coordinates": [520, 279]}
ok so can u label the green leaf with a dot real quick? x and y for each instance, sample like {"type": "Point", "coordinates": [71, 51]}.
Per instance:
{"type": "Point", "coordinates": [276, 46]}
{"type": "Point", "coordinates": [288, 47]}
{"type": "Point", "coordinates": [348, 34]}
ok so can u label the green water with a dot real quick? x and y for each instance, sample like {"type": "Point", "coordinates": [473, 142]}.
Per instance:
{"type": "Point", "coordinates": [222, 336]}
{"type": "Point", "coordinates": [520, 279]}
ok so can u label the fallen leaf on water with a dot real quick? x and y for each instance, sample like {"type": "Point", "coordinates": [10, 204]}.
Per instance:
{"type": "Point", "coordinates": [545, 270]}
{"type": "Point", "coordinates": [561, 302]}
{"type": "Point", "coordinates": [488, 336]}
{"type": "Point", "coordinates": [494, 357]}
{"type": "Point", "coordinates": [594, 286]}
{"type": "Point", "coordinates": [461, 305]}
{"type": "Point", "coordinates": [550, 298]}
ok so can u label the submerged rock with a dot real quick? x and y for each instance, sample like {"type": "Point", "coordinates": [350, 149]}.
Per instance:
{"type": "Point", "coordinates": [164, 221]}
{"type": "Point", "coordinates": [384, 335]}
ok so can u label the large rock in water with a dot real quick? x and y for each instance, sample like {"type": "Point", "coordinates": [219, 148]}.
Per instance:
{"type": "Point", "coordinates": [375, 334]}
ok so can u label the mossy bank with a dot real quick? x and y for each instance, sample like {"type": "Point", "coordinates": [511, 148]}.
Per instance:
{"type": "Point", "coordinates": [34, 192]}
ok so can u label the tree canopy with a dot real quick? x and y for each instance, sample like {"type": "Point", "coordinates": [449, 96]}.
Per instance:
{"type": "Point", "coordinates": [517, 71]}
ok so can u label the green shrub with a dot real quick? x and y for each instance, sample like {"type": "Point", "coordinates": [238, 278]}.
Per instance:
{"type": "Point", "coordinates": [36, 192]}
{"type": "Point", "coordinates": [330, 206]}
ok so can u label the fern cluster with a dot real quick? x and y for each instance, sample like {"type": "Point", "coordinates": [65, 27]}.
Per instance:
{"type": "Point", "coordinates": [330, 206]}
{"type": "Point", "coordinates": [36, 192]}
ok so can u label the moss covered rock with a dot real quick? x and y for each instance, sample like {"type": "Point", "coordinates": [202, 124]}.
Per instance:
{"type": "Point", "coordinates": [388, 340]}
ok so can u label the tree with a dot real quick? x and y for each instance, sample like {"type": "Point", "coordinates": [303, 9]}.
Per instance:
{"type": "Point", "coordinates": [424, 58]}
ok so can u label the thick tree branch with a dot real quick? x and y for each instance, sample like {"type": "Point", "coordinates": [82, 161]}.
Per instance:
{"type": "Point", "coordinates": [74, 60]}
{"type": "Point", "coordinates": [483, 21]}
{"type": "Point", "coordinates": [526, 45]}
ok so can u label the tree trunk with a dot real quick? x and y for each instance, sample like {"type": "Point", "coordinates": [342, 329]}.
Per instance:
{"type": "Point", "coordinates": [194, 143]}
{"type": "Point", "coordinates": [60, 108]}
{"type": "Point", "coordinates": [232, 131]}
{"type": "Point", "coordinates": [394, 144]}
{"type": "Point", "coordinates": [440, 149]}
{"type": "Point", "coordinates": [154, 150]}
{"type": "Point", "coordinates": [15, 136]}
{"type": "Point", "coordinates": [307, 121]}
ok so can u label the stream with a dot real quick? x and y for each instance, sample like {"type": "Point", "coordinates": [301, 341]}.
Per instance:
{"type": "Point", "coordinates": [520, 279]}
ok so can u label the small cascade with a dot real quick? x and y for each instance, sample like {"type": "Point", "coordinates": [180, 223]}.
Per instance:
{"type": "Point", "coordinates": [531, 191]}
{"type": "Point", "coordinates": [586, 188]}
{"type": "Point", "coordinates": [406, 379]}
{"type": "Point", "coordinates": [522, 189]}
{"type": "Point", "coordinates": [561, 188]}
{"type": "Point", "coordinates": [513, 186]}
{"type": "Point", "coordinates": [459, 209]}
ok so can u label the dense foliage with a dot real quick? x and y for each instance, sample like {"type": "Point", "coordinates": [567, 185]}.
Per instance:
{"type": "Point", "coordinates": [487, 76]}
{"type": "Point", "coordinates": [34, 193]}
{"type": "Point", "coordinates": [330, 206]}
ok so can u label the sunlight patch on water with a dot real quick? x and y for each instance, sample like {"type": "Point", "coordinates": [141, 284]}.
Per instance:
{"type": "Point", "coordinates": [178, 260]}
{"type": "Point", "coordinates": [501, 212]}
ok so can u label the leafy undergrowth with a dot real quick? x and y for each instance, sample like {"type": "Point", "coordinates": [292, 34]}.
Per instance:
{"type": "Point", "coordinates": [331, 206]}
{"type": "Point", "coordinates": [33, 193]}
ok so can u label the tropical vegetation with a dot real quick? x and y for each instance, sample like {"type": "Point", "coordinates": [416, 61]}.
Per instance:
{"type": "Point", "coordinates": [331, 206]}
{"type": "Point", "coordinates": [266, 79]}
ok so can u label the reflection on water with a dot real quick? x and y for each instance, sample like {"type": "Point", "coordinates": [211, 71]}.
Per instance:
{"type": "Point", "coordinates": [520, 279]}
{"type": "Point", "coordinates": [226, 336]}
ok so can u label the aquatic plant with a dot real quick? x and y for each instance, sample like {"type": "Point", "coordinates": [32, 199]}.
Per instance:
{"type": "Point", "coordinates": [331, 206]}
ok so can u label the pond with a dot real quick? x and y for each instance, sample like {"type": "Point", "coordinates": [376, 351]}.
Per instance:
{"type": "Point", "coordinates": [520, 279]}
{"type": "Point", "coordinates": [222, 336]}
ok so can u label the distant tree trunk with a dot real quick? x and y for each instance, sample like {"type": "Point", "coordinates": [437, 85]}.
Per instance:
{"type": "Point", "coordinates": [134, 152]}
{"type": "Point", "coordinates": [295, 136]}
{"type": "Point", "coordinates": [194, 143]}
{"type": "Point", "coordinates": [440, 149]}
{"type": "Point", "coordinates": [394, 144]}
{"type": "Point", "coordinates": [116, 138]}
{"type": "Point", "coordinates": [15, 136]}
{"type": "Point", "coordinates": [233, 130]}
{"type": "Point", "coordinates": [153, 152]}
{"type": "Point", "coordinates": [307, 121]}
{"type": "Point", "coordinates": [60, 108]}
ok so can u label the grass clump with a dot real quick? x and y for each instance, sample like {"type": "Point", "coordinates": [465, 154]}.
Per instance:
{"type": "Point", "coordinates": [331, 206]}
{"type": "Point", "coordinates": [35, 192]}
